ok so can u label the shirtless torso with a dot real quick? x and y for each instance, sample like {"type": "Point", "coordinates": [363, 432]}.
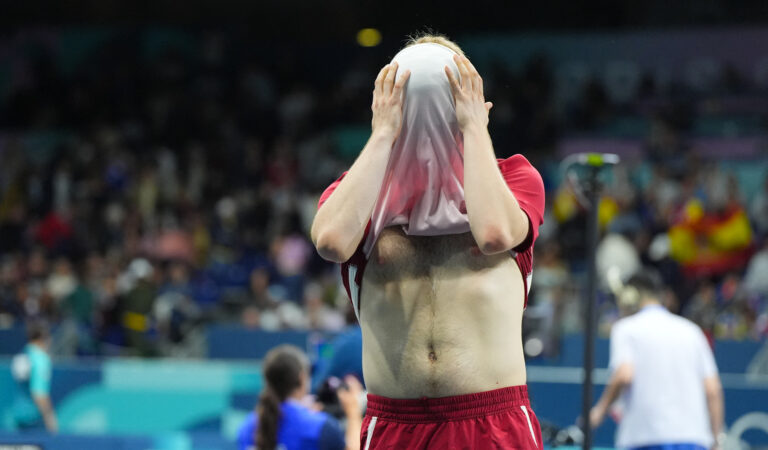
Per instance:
{"type": "Point", "coordinates": [440, 312]}
{"type": "Point", "coordinates": [440, 318]}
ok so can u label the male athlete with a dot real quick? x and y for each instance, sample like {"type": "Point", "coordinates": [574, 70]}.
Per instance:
{"type": "Point", "coordinates": [435, 239]}
{"type": "Point", "coordinates": [664, 371]}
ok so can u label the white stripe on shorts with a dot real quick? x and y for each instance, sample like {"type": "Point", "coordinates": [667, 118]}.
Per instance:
{"type": "Point", "coordinates": [530, 426]}
{"type": "Point", "coordinates": [371, 426]}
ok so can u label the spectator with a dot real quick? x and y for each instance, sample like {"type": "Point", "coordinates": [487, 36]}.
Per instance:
{"type": "Point", "coordinates": [759, 210]}
{"type": "Point", "coordinates": [137, 306]}
{"type": "Point", "coordinates": [285, 420]}
{"type": "Point", "coordinates": [755, 279]}
{"type": "Point", "coordinates": [77, 329]}
{"type": "Point", "coordinates": [702, 308]}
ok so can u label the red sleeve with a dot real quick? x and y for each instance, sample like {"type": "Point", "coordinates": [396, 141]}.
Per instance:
{"type": "Point", "coordinates": [528, 188]}
{"type": "Point", "coordinates": [329, 190]}
{"type": "Point", "coordinates": [358, 256]}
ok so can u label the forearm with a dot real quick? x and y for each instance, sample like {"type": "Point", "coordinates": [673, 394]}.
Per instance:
{"type": "Point", "coordinates": [715, 407]}
{"type": "Point", "coordinates": [340, 223]}
{"type": "Point", "coordinates": [352, 433]}
{"type": "Point", "coordinates": [612, 391]}
{"type": "Point", "coordinates": [495, 218]}
{"type": "Point", "coordinates": [45, 407]}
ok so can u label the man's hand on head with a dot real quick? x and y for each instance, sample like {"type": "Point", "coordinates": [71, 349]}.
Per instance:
{"type": "Point", "coordinates": [387, 103]}
{"type": "Point", "coordinates": [471, 107]}
{"type": "Point", "coordinates": [338, 227]}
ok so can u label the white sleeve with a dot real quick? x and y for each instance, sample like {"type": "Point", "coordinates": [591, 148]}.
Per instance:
{"type": "Point", "coordinates": [621, 347]}
{"type": "Point", "coordinates": [707, 366]}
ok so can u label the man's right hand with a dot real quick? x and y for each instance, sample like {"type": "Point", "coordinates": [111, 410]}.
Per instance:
{"type": "Point", "coordinates": [387, 103]}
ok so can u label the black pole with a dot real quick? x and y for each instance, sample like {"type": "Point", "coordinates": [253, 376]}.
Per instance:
{"type": "Point", "coordinates": [593, 193]}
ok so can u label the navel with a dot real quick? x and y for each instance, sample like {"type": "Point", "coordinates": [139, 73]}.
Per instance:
{"type": "Point", "coordinates": [432, 354]}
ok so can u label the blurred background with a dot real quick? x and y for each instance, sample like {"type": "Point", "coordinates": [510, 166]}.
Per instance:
{"type": "Point", "coordinates": [161, 162]}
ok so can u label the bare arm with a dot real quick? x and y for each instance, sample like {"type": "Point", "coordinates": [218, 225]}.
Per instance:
{"type": "Point", "coordinates": [352, 433]}
{"type": "Point", "coordinates": [496, 220]}
{"type": "Point", "coordinates": [349, 398]}
{"type": "Point", "coordinates": [45, 407]}
{"type": "Point", "coordinates": [340, 224]}
{"type": "Point", "coordinates": [620, 379]}
{"type": "Point", "coordinates": [714, 391]}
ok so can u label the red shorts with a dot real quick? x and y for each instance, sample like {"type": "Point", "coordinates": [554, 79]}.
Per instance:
{"type": "Point", "coordinates": [498, 419]}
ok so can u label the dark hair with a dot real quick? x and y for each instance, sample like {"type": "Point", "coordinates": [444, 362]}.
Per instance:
{"type": "Point", "coordinates": [37, 330]}
{"type": "Point", "coordinates": [283, 369]}
{"type": "Point", "coordinates": [647, 282]}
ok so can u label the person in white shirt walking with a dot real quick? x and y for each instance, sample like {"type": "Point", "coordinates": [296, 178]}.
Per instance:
{"type": "Point", "coordinates": [664, 371]}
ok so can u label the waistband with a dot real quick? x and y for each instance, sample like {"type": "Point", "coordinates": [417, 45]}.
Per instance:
{"type": "Point", "coordinates": [459, 407]}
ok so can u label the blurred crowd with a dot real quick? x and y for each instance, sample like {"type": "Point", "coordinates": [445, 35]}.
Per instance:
{"type": "Point", "coordinates": [149, 189]}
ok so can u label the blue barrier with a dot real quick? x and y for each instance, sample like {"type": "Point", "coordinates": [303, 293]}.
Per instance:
{"type": "Point", "coordinates": [180, 403]}
{"type": "Point", "coordinates": [233, 342]}
{"type": "Point", "coordinates": [555, 394]}
{"type": "Point", "coordinates": [731, 356]}
{"type": "Point", "coordinates": [41, 440]}
{"type": "Point", "coordinates": [169, 441]}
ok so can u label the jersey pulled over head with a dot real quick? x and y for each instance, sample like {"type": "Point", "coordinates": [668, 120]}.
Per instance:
{"type": "Point", "coordinates": [423, 187]}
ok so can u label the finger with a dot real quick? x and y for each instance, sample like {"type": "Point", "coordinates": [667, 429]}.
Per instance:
{"type": "Point", "coordinates": [389, 81]}
{"type": "Point", "coordinates": [469, 64]}
{"type": "Point", "coordinates": [380, 80]}
{"type": "Point", "coordinates": [400, 84]}
{"type": "Point", "coordinates": [477, 80]}
{"type": "Point", "coordinates": [488, 106]}
{"type": "Point", "coordinates": [454, 83]}
{"type": "Point", "coordinates": [466, 80]}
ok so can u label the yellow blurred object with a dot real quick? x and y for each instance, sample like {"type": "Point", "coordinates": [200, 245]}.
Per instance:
{"type": "Point", "coordinates": [565, 205]}
{"type": "Point", "coordinates": [733, 234]}
{"type": "Point", "coordinates": [201, 242]}
{"type": "Point", "coordinates": [369, 37]}
{"type": "Point", "coordinates": [607, 211]}
{"type": "Point", "coordinates": [699, 238]}
{"type": "Point", "coordinates": [135, 322]}
{"type": "Point", "coordinates": [682, 244]}
{"type": "Point", "coordinates": [694, 211]}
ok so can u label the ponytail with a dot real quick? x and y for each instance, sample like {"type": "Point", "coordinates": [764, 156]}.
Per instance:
{"type": "Point", "coordinates": [284, 369]}
{"type": "Point", "coordinates": [269, 418]}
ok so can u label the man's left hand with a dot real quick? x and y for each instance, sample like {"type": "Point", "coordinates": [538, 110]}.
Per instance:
{"type": "Point", "coordinates": [471, 107]}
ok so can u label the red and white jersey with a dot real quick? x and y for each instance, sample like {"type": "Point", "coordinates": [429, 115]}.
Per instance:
{"type": "Point", "coordinates": [525, 183]}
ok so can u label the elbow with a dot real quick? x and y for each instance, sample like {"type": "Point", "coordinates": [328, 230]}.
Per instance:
{"type": "Point", "coordinates": [330, 247]}
{"type": "Point", "coordinates": [492, 240]}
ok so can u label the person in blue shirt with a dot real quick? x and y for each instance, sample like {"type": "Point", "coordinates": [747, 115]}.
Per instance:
{"type": "Point", "coordinates": [32, 407]}
{"type": "Point", "coordinates": [283, 420]}
{"type": "Point", "coordinates": [346, 357]}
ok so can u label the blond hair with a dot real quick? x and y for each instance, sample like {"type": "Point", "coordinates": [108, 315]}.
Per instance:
{"type": "Point", "coordinates": [433, 38]}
